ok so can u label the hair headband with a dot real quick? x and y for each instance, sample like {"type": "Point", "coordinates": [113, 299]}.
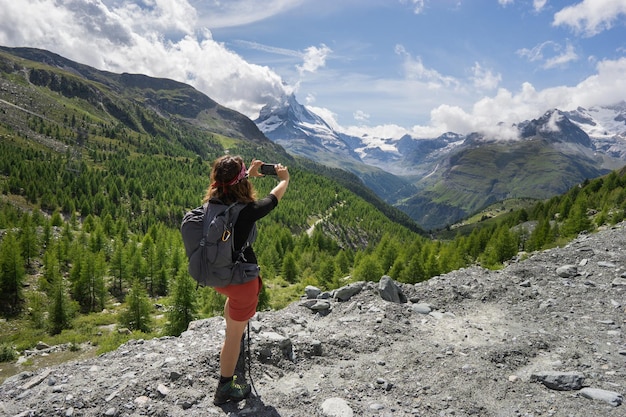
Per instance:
{"type": "Point", "coordinates": [243, 174]}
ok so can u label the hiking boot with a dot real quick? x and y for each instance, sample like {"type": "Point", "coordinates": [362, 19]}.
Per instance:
{"type": "Point", "coordinates": [231, 391]}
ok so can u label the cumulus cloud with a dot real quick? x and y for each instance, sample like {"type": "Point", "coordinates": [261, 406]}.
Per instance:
{"type": "Point", "coordinates": [314, 58]}
{"type": "Point", "coordinates": [124, 37]}
{"type": "Point", "coordinates": [495, 115]}
{"type": "Point", "coordinates": [169, 39]}
{"type": "Point", "coordinates": [591, 17]}
{"type": "Point", "coordinates": [386, 131]}
{"type": "Point", "coordinates": [329, 117]}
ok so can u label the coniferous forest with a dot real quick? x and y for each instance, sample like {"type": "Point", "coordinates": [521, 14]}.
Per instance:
{"type": "Point", "coordinates": [97, 170]}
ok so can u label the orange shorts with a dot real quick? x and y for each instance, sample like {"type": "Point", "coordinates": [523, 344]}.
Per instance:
{"type": "Point", "coordinates": [242, 299]}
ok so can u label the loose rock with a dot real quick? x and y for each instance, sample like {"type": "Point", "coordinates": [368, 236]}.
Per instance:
{"type": "Point", "coordinates": [523, 341]}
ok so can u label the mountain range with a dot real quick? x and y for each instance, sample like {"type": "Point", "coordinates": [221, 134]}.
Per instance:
{"type": "Point", "coordinates": [434, 182]}
{"type": "Point", "coordinates": [439, 181]}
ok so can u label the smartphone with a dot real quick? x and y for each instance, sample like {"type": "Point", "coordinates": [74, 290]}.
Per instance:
{"type": "Point", "coordinates": [267, 169]}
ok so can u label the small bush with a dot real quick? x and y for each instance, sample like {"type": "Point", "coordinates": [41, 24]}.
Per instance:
{"type": "Point", "coordinates": [7, 353]}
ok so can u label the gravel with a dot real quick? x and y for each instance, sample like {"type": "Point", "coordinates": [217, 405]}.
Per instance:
{"type": "Point", "coordinates": [541, 337]}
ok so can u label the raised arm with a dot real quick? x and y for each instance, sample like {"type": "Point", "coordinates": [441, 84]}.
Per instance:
{"type": "Point", "coordinates": [281, 172]}
{"type": "Point", "coordinates": [283, 176]}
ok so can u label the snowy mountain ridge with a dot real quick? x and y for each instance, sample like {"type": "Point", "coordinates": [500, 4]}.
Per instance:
{"type": "Point", "coordinates": [292, 125]}
{"type": "Point", "coordinates": [439, 181]}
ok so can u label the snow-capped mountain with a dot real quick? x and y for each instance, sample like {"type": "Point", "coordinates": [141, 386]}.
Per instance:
{"type": "Point", "coordinates": [606, 126]}
{"type": "Point", "coordinates": [301, 131]}
{"type": "Point", "coordinates": [304, 133]}
{"type": "Point", "coordinates": [462, 173]}
{"type": "Point", "coordinates": [599, 122]}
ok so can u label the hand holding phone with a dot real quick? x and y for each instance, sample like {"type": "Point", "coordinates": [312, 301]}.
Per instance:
{"type": "Point", "coordinates": [267, 169]}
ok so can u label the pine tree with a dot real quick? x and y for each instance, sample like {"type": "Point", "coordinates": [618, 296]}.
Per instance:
{"type": "Point", "coordinates": [368, 269]}
{"type": "Point", "coordinates": [502, 246]}
{"type": "Point", "coordinates": [137, 265]}
{"type": "Point", "coordinates": [289, 269]}
{"type": "Point", "coordinates": [414, 271]}
{"type": "Point", "coordinates": [177, 259]}
{"type": "Point", "coordinates": [28, 239]}
{"type": "Point", "coordinates": [161, 282]}
{"type": "Point", "coordinates": [51, 270]}
{"type": "Point", "coordinates": [326, 272]}
{"type": "Point", "coordinates": [37, 304]}
{"type": "Point", "coordinates": [119, 269]}
{"type": "Point", "coordinates": [59, 315]}
{"type": "Point", "coordinates": [12, 274]}
{"type": "Point", "coordinates": [89, 289]}
{"type": "Point", "coordinates": [47, 234]}
{"type": "Point", "coordinates": [137, 313]}
{"type": "Point", "coordinates": [149, 255]}
{"type": "Point", "coordinates": [577, 221]}
{"type": "Point", "coordinates": [342, 263]}
{"type": "Point", "coordinates": [164, 271]}
{"type": "Point", "coordinates": [184, 304]}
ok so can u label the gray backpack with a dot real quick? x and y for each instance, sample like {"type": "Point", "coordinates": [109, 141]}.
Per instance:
{"type": "Point", "coordinates": [208, 234]}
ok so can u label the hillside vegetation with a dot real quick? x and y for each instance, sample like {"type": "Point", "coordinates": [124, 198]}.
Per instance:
{"type": "Point", "coordinates": [478, 176]}
{"type": "Point", "coordinates": [97, 170]}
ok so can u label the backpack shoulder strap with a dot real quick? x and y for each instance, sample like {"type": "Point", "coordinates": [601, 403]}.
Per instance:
{"type": "Point", "coordinates": [253, 232]}
{"type": "Point", "coordinates": [214, 209]}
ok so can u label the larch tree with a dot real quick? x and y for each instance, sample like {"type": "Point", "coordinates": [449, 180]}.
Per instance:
{"type": "Point", "coordinates": [12, 275]}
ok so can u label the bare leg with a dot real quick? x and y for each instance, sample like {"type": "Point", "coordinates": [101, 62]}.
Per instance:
{"type": "Point", "coordinates": [232, 344]}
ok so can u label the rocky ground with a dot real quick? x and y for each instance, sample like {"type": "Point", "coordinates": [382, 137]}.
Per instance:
{"type": "Point", "coordinates": [542, 337]}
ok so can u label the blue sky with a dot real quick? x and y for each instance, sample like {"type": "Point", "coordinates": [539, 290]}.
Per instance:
{"type": "Point", "coordinates": [378, 67]}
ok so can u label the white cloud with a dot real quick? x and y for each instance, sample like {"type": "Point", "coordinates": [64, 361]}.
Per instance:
{"type": "Point", "coordinates": [538, 5]}
{"type": "Point", "coordinates": [536, 53]}
{"type": "Point", "coordinates": [230, 13]}
{"type": "Point", "coordinates": [329, 117]}
{"type": "Point", "coordinates": [162, 16]}
{"type": "Point", "coordinates": [123, 37]}
{"type": "Point", "coordinates": [269, 49]}
{"type": "Point", "coordinates": [495, 115]}
{"type": "Point", "coordinates": [385, 131]}
{"type": "Point", "coordinates": [559, 56]}
{"type": "Point", "coordinates": [314, 58]}
{"type": "Point", "coordinates": [565, 57]}
{"type": "Point", "coordinates": [552, 125]}
{"type": "Point", "coordinates": [418, 5]}
{"type": "Point", "coordinates": [415, 69]}
{"type": "Point", "coordinates": [484, 79]}
{"type": "Point", "coordinates": [361, 116]}
{"type": "Point", "coordinates": [165, 38]}
{"type": "Point", "coordinates": [591, 17]}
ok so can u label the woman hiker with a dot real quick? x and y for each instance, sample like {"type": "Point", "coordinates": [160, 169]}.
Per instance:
{"type": "Point", "coordinates": [229, 184]}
